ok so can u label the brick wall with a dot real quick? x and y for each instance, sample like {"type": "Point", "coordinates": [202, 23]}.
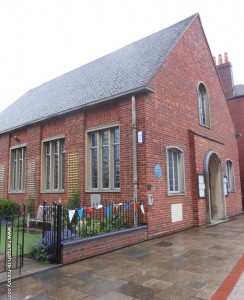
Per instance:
{"type": "Point", "coordinates": [73, 127]}
{"type": "Point", "coordinates": [170, 112]}
{"type": "Point", "coordinates": [77, 250]}
{"type": "Point", "coordinates": [236, 107]}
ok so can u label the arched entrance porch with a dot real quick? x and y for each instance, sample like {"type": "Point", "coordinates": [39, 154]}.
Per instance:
{"type": "Point", "coordinates": [216, 209]}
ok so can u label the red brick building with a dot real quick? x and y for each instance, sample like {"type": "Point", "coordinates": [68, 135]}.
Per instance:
{"type": "Point", "coordinates": [148, 122]}
{"type": "Point", "coordinates": [235, 96]}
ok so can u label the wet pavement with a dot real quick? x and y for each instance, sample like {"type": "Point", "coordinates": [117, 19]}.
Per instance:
{"type": "Point", "coordinates": [188, 265]}
{"type": "Point", "coordinates": [30, 267]}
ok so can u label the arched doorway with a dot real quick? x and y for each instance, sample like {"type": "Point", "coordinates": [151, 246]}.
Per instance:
{"type": "Point", "coordinates": [215, 189]}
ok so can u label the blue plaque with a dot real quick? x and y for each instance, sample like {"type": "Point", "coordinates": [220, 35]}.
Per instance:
{"type": "Point", "coordinates": [158, 171]}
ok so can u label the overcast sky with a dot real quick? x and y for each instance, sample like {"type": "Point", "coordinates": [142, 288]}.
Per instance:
{"type": "Point", "coordinates": [42, 39]}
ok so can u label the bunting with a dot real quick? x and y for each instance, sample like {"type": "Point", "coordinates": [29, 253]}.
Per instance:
{"type": "Point", "coordinates": [99, 206]}
{"type": "Point", "coordinates": [137, 205]}
{"type": "Point", "coordinates": [142, 208]}
{"type": "Point", "coordinates": [90, 210]}
{"type": "Point", "coordinates": [108, 209]}
{"type": "Point", "coordinates": [126, 207]}
{"type": "Point", "coordinates": [80, 212]}
{"type": "Point", "coordinates": [71, 214]}
{"type": "Point", "coordinates": [117, 205]}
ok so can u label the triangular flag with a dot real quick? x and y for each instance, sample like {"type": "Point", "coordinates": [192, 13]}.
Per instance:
{"type": "Point", "coordinates": [90, 210]}
{"type": "Point", "coordinates": [142, 208]}
{"type": "Point", "coordinates": [99, 206]}
{"type": "Point", "coordinates": [137, 205]}
{"type": "Point", "coordinates": [126, 207]}
{"type": "Point", "coordinates": [80, 213]}
{"type": "Point", "coordinates": [108, 211]}
{"type": "Point", "coordinates": [117, 205]}
{"type": "Point", "coordinates": [71, 214]}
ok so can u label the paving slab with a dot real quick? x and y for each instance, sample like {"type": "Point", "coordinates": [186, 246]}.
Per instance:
{"type": "Point", "coordinates": [191, 264]}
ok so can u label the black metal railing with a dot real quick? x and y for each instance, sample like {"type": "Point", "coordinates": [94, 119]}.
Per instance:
{"type": "Point", "coordinates": [99, 219]}
{"type": "Point", "coordinates": [61, 223]}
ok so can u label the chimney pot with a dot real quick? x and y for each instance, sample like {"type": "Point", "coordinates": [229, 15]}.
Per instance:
{"type": "Point", "coordinates": [214, 59]}
{"type": "Point", "coordinates": [226, 57]}
{"type": "Point", "coordinates": [220, 61]}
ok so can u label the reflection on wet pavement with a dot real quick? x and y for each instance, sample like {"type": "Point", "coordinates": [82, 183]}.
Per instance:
{"type": "Point", "coordinates": [188, 265]}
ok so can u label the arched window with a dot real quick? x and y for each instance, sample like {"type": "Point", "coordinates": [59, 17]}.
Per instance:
{"type": "Point", "coordinates": [230, 175]}
{"type": "Point", "coordinates": [203, 105]}
{"type": "Point", "coordinates": [175, 171]}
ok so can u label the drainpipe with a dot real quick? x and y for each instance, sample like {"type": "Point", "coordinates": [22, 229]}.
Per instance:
{"type": "Point", "coordinates": [133, 105]}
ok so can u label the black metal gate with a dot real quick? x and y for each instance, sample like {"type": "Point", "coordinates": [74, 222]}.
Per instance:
{"type": "Point", "coordinates": [12, 229]}
{"type": "Point", "coordinates": [51, 234]}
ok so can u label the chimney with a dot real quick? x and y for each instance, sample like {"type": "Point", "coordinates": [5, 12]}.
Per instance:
{"type": "Point", "coordinates": [225, 73]}
{"type": "Point", "coordinates": [220, 61]}
{"type": "Point", "coordinates": [226, 57]}
{"type": "Point", "coordinates": [214, 59]}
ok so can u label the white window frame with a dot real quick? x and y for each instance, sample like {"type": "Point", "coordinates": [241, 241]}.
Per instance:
{"type": "Point", "coordinates": [203, 105]}
{"type": "Point", "coordinates": [17, 179]}
{"type": "Point", "coordinates": [180, 190]}
{"type": "Point", "coordinates": [99, 150]}
{"type": "Point", "coordinates": [230, 175]}
{"type": "Point", "coordinates": [53, 182]}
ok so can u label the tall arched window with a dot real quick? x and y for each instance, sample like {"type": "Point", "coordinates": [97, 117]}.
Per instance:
{"type": "Point", "coordinates": [203, 105]}
{"type": "Point", "coordinates": [175, 171]}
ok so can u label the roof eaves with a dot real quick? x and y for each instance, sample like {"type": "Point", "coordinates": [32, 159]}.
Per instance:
{"type": "Point", "coordinates": [145, 89]}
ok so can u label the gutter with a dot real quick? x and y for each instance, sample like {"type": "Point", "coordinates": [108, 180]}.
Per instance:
{"type": "Point", "coordinates": [235, 97]}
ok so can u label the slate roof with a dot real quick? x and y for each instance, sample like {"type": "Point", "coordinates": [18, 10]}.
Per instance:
{"type": "Point", "coordinates": [238, 90]}
{"type": "Point", "coordinates": [121, 72]}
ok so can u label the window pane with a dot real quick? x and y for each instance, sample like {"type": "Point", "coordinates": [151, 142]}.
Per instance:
{"type": "Point", "coordinates": [94, 139]}
{"type": "Point", "coordinates": [20, 168]}
{"type": "Point", "coordinates": [62, 163]}
{"type": "Point", "coordinates": [202, 108]}
{"type": "Point", "coordinates": [55, 165]}
{"type": "Point", "coordinates": [48, 162]}
{"type": "Point", "coordinates": [93, 150]}
{"type": "Point", "coordinates": [105, 159]}
{"type": "Point", "coordinates": [171, 174]}
{"type": "Point", "coordinates": [173, 170]}
{"type": "Point", "coordinates": [203, 103]}
{"type": "Point", "coordinates": [116, 137]}
{"type": "Point", "coordinates": [230, 176]}
{"type": "Point", "coordinates": [23, 169]}
{"type": "Point", "coordinates": [116, 157]}
{"type": "Point", "coordinates": [176, 181]}
{"type": "Point", "coordinates": [14, 169]}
